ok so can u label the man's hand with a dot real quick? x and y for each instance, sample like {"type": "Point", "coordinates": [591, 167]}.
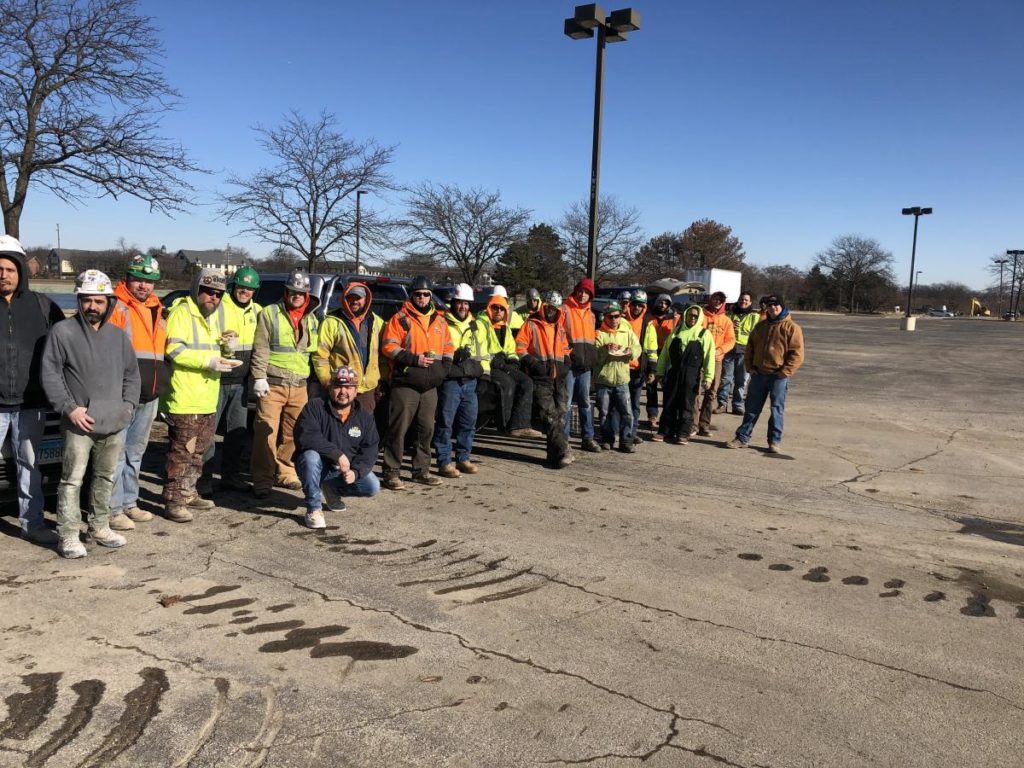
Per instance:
{"type": "Point", "coordinates": [423, 361]}
{"type": "Point", "coordinates": [343, 464]}
{"type": "Point", "coordinates": [348, 477]}
{"type": "Point", "coordinates": [261, 387]}
{"type": "Point", "coordinates": [80, 418]}
{"type": "Point", "coordinates": [219, 365]}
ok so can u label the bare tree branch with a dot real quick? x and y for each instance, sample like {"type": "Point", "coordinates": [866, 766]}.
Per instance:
{"type": "Point", "coordinates": [618, 236]}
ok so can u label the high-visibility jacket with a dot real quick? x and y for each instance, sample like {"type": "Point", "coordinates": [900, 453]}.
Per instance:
{"type": "Point", "coordinates": [281, 354]}
{"type": "Point", "coordinates": [411, 333]}
{"type": "Point", "coordinates": [339, 346]}
{"type": "Point", "coordinates": [646, 334]}
{"type": "Point", "coordinates": [143, 322]}
{"type": "Point", "coordinates": [241, 320]}
{"type": "Point", "coordinates": [191, 341]}
{"type": "Point", "coordinates": [743, 323]}
{"type": "Point", "coordinates": [663, 326]}
{"type": "Point", "coordinates": [543, 346]}
{"type": "Point", "coordinates": [580, 329]}
{"type": "Point", "coordinates": [470, 345]}
{"type": "Point", "coordinates": [696, 333]}
{"type": "Point", "coordinates": [491, 341]}
{"type": "Point", "coordinates": [721, 330]}
{"type": "Point", "coordinates": [610, 371]}
{"type": "Point", "coordinates": [517, 319]}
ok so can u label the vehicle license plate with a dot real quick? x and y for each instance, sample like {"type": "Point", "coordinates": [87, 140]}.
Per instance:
{"type": "Point", "coordinates": [51, 451]}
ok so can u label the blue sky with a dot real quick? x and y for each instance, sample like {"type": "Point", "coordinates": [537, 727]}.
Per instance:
{"type": "Point", "coordinates": [793, 122]}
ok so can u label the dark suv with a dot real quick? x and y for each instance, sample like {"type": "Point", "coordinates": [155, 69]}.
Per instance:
{"type": "Point", "coordinates": [388, 293]}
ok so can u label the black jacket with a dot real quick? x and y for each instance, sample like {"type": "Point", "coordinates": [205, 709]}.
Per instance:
{"type": "Point", "coordinates": [24, 323]}
{"type": "Point", "coordinates": [319, 429]}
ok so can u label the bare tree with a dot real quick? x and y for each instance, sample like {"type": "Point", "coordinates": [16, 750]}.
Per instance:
{"type": "Point", "coordinates": [618, 236]}
{"type": "Point", "coordinates": [82, 95]}
{"type": "Point", "coordinates": [465, 229]}
{"type": "Point", "coordinates": [306, 200]}
{"type": "Point", "coordinates": [856, 262]}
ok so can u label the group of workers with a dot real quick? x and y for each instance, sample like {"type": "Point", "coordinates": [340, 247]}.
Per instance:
{"type": "Point", "coordinates": [118, 363]}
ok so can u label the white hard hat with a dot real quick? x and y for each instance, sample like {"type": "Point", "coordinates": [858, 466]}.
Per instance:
{"type": "Point", "coordinates": [499, 290]}
{"type": "Point", "coordinates": [10, 244]}
{"type": "Point", "coordinates": [462, 292]}
{"type": "Point", "coordinates": [92, 282]}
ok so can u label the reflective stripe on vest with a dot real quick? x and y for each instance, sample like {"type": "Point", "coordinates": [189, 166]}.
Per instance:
{"type": "Point", "coordinates": [192, 343]}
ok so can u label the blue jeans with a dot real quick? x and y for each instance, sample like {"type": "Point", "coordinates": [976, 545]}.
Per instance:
{"type": "Point", "coordinates": [26, 429]}
{"type": "Point", "coordinates": [577, 385]}
{"type": "Point", "coordinates": [613, 403]}
{"type": "Point", "coordinates": [764, 386]}
{"type": "Point", "coordinates": [733, 375]}
{"type": "Point", "coordinates": [456, 411]}
{"type": "Point", "coordinates": [126, 475]}
{"type": "Point", "coordinates": [309, 465]}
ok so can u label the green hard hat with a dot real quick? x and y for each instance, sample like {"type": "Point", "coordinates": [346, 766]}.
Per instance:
{"type": "Point", "coordinates": [612, 306]}
{"type": "Point", "coordinates": [144, 267]}
{"type": "Point", "coordinates": [247, 277]}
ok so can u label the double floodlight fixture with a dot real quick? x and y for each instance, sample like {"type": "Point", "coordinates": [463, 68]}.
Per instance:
{"type": "Point", "coordinates": [916, 211]}
{"type": "Point", "coordinates": [590, 17]}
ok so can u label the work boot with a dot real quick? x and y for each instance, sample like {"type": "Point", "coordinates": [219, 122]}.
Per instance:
{"type": "Point", "coordinates": [448, 470]}
{"type": "Point", "coordinates": [605, 446]}
{"type": "Point", "coordinates": [121, 522]}
{"type": "Point", "coordinates": [565, 461]}
{"type": "Point", "coordinates": [774, 448]}
{"type": "Point", "coordinates": [137, 515]}
{"type": "Point", "coordinates": [637, 440]}
{"type": "Point", "coordinates": [653, 421]}
{"type": "Point", "coordinates": [679, 440]}
{"type": "Point", "coordinates": [704, 432]}
{"type": "Point", "coordinates": [393, 483]}
{"type": "Point", "coordinates": [467, 467]}
{"type": "Point", "coordinates": [178, 513]}
{"type": "Point", "coordinates": [315, 519]}
{"type": "Point", "coordinates": [627, 447]}
{"type": "Point", "coordinates": [735, 443]}
{"type": "Point", "coordinates": [526, 432]}
{"type": "Point", "coordinates": [292, 484]}
{"type": "Point", "coordinates": [198, 502]}
{"type": "Point", "coordinates": [425, 478]}
{"type": "Point", "coordinates": [107, 538]}
{"type": "Point", "coordinates": [721, 408]}
{"type": "Point", "coordinates": [590, 446]}
{"type": "Point", "coordinates": [332, 499]}
{"type": "Point", "coordinates": [737, 411]}
{"type": "Point", "coordinates": [260, 493]}
{"type": "Point", "coordinates": [71, 548]}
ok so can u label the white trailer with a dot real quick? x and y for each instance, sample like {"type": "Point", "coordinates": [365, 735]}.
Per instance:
{"type": "Point", "coordinates": [727, 281]}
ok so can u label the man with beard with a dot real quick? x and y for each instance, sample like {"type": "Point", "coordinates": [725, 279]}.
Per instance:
{"type": "Point", "coordinates": [734, 375]}
{"type": "Point", "coordinates": [25, 319]}
{"type": "Point", "coordinates": [335, 448]}
{"type": "Point", "coordinates": [350, 336]}
{"type": "Point", "coordinates": [286, 336]}
{"type": "Point", "coordinates": [686, 363]}
{"type": "Point", "coordinates": [138, 312]}
{"type": "Point", "coordinates": [91, 376]}
{"type": "Point", "coordinates": [543, 349]}
{"type": "Point", "coordinates": [419, 351]}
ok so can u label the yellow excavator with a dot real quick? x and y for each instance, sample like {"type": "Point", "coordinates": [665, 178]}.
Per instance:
{"type": "Point", "coordinates": [979, 310]}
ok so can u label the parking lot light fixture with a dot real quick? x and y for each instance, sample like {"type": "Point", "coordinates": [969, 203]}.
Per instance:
{"type": "Point", "coordinates": [917, 212]}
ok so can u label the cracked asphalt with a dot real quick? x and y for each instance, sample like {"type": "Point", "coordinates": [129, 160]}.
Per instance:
{"type": "Point", "coordinates": [856, 601]}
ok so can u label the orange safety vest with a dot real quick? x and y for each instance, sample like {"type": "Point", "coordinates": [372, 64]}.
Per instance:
{"type": "Point", "coordinates": [409, 330]}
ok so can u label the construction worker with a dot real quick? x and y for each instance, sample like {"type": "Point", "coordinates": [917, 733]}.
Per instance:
{"type": "Point", "coordinates": [350, 336]}
{"type": "Point", "coordinates": [194, 349]}
{"type": "Point", "coordinates": [734, 376]}
{"type": "Point", "coordinates": [686, 363]}
{"type": "Point", "coordinates": [581, 331]}
{"type": "Point", "coordinates": [544, 352]}
{"type": "Point", "coordinates": [617, 346]}
{"type": "Point", "coordinates": [138, 312]}
{"type": "Point", "coordinates": [286, 336]}
{"type": "Point", "coordinates": [721, 330]}
{"type": "Point", "coordinates": [91, 377]}
{"type": "Point", "coordinates": [419, 351]}
{"type": "Point", "coordinates": [501, 363]}
{"type": "Point", "coordinates": [520, 315]}
{"type": "Point", "coordinates": [457, 405]}
{"type": "Point", "coordinates": [237, 316]}
{"type": "Point", "coordinates": [663, 318]}
{"type": "Point", "coordinates": [641, 368]}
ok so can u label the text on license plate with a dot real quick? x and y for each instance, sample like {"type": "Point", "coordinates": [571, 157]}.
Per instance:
{"type": "Point", "coordinates": [51, 451]}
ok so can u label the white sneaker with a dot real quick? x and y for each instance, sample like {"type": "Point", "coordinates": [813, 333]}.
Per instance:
{"type": "Point", "coordinates": [315, 519]}
{"type": "Point", "coordinates": [107, 538]}
{"type": "Point", "coordinates": [71, 548]}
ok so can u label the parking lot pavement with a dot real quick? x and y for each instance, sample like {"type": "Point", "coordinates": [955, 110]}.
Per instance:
{"type": "Point", "coordinates": [858, 600]}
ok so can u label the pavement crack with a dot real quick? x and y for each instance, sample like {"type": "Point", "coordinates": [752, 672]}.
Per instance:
{"type": "Point", "coordinates": [190, 665]}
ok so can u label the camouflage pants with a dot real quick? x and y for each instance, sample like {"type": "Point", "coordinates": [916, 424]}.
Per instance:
{"type": "Point", "coordinates": [189, 436]}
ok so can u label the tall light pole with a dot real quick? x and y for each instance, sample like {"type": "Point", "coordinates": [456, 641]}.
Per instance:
{"type": "Point", "coordinates": [1014, 302]}
{"type": "Point", "coordinates": [917, 212]}
{"type": "Point", "coordinates": [1001, 263]}
{"type": "Point", "coordinates": [359, 194]}
{"type": "Point", "coordinates": [610, 29]}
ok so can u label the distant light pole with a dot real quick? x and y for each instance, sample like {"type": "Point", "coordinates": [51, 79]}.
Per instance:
{"type": "Point", "coordinates": [1014, 302]}
{"type": "Point", "coordinates": [917, 212]}
{"type": "Point", "coordinates": [359, 194]}
{"type": "Point", "coordinates": [611, 29]}
{"type": "Point", "coordinates": [917, 278]}
{"type": "Point", "coordinates": [1001, 263]}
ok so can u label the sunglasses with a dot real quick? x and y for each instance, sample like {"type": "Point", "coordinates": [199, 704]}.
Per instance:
{"type": "Point", "coordinates": [211, 292]}
{"type": "Point", "coordinates": [421, 294]}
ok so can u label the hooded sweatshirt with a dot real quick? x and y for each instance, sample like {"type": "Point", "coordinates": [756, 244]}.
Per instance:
{"type": "Point", "coordinates": [580, 327]}
{"type": "Point", "coordinates": [721, 329]}
{"type": "Point", "coordinates": [24, 322]}
{"type": "Point", "coordinates": [144, 323]}
{"type": "Point", "coordinates": [698, 333]}
{"type": "Point", "coordinates": [614, 371]}
{"type": "Point", "coordinates": [352, 340]}
{"type": "Point", "coordinates": [94, 368]}
{"type": "Point", "coordinates": [499, 338]}
{"type": "Point", "coordinates": [543, 346]}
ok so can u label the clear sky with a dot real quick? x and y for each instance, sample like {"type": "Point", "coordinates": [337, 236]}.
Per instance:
{"type": "Point", "coordinates": [793, 122]}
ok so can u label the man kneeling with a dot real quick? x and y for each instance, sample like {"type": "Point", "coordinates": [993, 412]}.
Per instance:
{"type": "Point", "coordinates": [336, 446]}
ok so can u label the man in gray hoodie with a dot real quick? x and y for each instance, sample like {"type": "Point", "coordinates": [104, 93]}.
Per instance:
{"type": "Point", "coordinates": [91, 378]}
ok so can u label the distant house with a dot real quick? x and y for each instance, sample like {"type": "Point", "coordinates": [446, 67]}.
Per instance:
{"type": "Point", "coordinates": [61, 262]}
{"type": "Point", "coordinates": [34, 265]}
{"type": "Point", "coordinates": [226, 261]}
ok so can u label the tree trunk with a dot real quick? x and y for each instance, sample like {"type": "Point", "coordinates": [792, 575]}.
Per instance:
{"type": "Point", "coordinates": [12, 221]}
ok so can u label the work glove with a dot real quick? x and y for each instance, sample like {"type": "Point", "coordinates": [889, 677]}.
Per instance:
{"type": "Point", "coordinates": [261, 387]}
{"type": "Point", "coordinates": [218, 365]}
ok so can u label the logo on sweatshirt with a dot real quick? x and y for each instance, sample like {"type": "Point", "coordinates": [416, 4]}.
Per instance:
{"type": "Point", "coordinates": [355, 432]}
